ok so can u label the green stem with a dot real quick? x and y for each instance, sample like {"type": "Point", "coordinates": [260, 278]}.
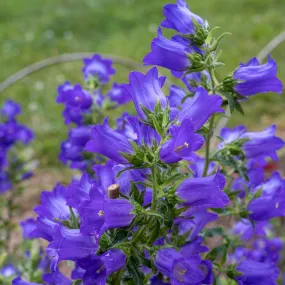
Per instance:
{"type": "Point", "coordinates": [154, 188]}
{"type": "Point", "coordinates": [208, 143]}
{"type": "Point", "coordinates": [139, 233]}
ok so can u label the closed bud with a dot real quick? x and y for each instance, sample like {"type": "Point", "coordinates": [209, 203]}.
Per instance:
{"type": "Point", "coordinates": [197, 63]}
{"type": "Point", "coordinates": [229, 83]}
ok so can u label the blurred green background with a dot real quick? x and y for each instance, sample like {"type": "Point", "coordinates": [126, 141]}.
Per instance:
{"type": "Point", "coordinates": [32, 30]}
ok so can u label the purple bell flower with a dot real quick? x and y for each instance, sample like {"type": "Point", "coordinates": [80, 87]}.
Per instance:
{"type": "Point", "coordinates": [119, 95]}
{"type": "Point", "coordinates": [51, 212]}
{"type": "Point", "coordinates": [171, 54]}
{"type": "Point", "coordinates": [257, 273]}
{"type": "Point", "coordinates": [102, 136]}
{"type": "Point", "coordinates": [200, 108]}
{"type": "Point", "coordinates": [146, 90]}
{"type": "Point", "coordinates": [175, 99]}
{"type": "Point", "coordinates": [254, 78]}
{"type": "Point", "coordinates": [99, 267]}
{"type": "Point", "coordinates": [10, 109]}
{"type": "Point", "coordinates": [247, 230]}
{"type": "Point", "coordinates": [183, 144]}
{"type": "Point", "coordinates": [5, 182]}
{"type": "Point", "coordinates": [179, 17]}
{"type": "Point", "coordinates": [180, 267]}
{"type": "Point", "coordinates": [64, 240]}
{"type": "Point", "coordinates": [204, 191]}
{"type": "Point", "coordinates": [262, 144]}
{"type": "Point", "coordinates": [56, 278]}
{"type": "Point", "coordinates": [99, 67]}
{"type": "Point", "coordinates": [101, 213]}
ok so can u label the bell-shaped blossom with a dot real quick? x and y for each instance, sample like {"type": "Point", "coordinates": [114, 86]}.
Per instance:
{"type": "Point", "coordinates": [257, 273]}
{"type": "Point", "coordinates": [183, 144]}
{"type": "Point", "coordinates": [204, 191]}
{"type": "Point", "coordinates": [56, 277]}
{"type": "Point", "coordinates": [99, 267]}
{"type": "Point", "coordinates": [119, 95]}
{"type": "Point", "coordinates": [200, 108]}
{"type": "Point", "coordinates": [74, 96]}
{"type": "Point", "coordinates": [10, 109]}
{"type": "Point", "coordinates": [5, 182]}
{"type": "Point", "coordinates": [70, 244]}
{"type": "Point", "coordinates": [101, 213]}
{"type": "Point", "coordinates": [98, 67]}
{"type": "Point", "coordinates": [145, 89]}
{"type": "Point", "coordinates": [246, 230]}
{"type": "Point", "coordinates": [198, 167]}
{"type": "Point", "coordinates": [180, 267]}
{"type": "Point", "coordinates": [170, 54]}
{"type": "Point", "coordinates": [50, 213]}
{"type": "Point", "coordinates": [262, 144]}
{"type": "Point", "coordinates": [267, 207]}
{"type": "Point", "coordinates": [103, 136]}
{"type": "Point", "coordinates": [179, 17]}
{"type": "Point", "coordinates": [254, 78]}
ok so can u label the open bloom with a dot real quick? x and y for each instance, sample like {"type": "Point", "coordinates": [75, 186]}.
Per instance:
{"type": "Point", "coordinates": [108, 142]}
{"type": "Point", "coordinates": [10, 109]}
{"type": "Point", "coordinates": [204, 191]}
{"type": "Point", "coordinates": [200, 108]}
{"type": "Point", "coordinates": [100, 213]}
{"type": "Point", "coordinates": [56, 278]}
{"type": "Point", "coordinates": [170, 54]}
{"type": "Point", "coordinates": [50, 213]}
{"type": "Point", "coordinates": [183, 143]}
{"type": "Point", "coordinates": [254, 78]}
{"type": "Point", "coordinates": [184, 267]}
{"type": "Point", "coordinates": [146, 90]}
{"type": "Point", "coordinates": [98, 67]}
{"type": "Point", "coordinates": [179, 17]}
{"type": "Point", "coordinates": [99, 267]}
{"type": "Point", "coordinates": [257, 273]}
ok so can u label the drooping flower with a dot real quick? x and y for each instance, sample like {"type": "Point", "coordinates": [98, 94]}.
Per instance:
{"type": "Point", "coordinates": [254, 78]}
{"type": "Point", "coordinates": [103, 136]}
{"type": "Point", "coordinates": [70, 244]}
{"type": "Point", "coordinates": [171, 54]}
{"type": "Point", "coordinates": [179, 17]}
{"type": "Point", "coordinates": [204, 191]}
{"type": "Point", "coordinates": [200, 108]}
{"type": "Point", "coordinates": [99, 267]}
{"type": "Point", "coordinates": [8, 270]}
{"type": "Point", "coordinates": [98, 67]}
{"type": "Point", "coordinates": [146, 90]}
{"type": "Point", "coordinates": [183, 144]}
{"type": "Point", "coordinates": [257, 273]}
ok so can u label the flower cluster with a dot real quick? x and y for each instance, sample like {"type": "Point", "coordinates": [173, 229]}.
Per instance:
{"type": "Point", "coordinates": [12, 169]}
{"type": "Point", "coordinates": [150, 212]}
{"type": "Point", "coordinates": [85, 107]}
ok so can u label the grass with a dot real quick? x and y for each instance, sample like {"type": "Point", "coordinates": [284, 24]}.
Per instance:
{"type": "Point", "coordinates": [32, 30]}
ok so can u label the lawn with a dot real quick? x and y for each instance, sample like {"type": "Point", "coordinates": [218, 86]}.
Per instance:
{"type": "Point", "coordinates": [32, 30]}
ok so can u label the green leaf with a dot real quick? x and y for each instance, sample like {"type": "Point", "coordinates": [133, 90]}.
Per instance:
{"type": "Point", "coordinates": [137, 277]}
{"type": "Point", "coordinates": [239, 108]}
{"type": "Point", "coordinates": [154, 229]}
{"type": "Point", "coordinates": [218, 252]}
{"type": "Point", "coordinates": [136, 195]}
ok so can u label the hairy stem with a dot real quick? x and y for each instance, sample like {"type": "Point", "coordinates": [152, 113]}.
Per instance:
{"type": "Point", "coordinates": [154, 188]}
